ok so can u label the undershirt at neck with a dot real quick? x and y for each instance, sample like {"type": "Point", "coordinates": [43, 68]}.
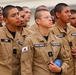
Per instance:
{"type": "Point", "coordinates": [46, 37]}
{"type": "Point", "coordinates": [12, 33]}
{"type": "Point", "coordinates": [65, 29]}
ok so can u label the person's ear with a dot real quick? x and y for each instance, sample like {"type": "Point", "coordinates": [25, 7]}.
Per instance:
{"type": "Point", "coordinates": [57, 14]}
{"type": "Point", "coordinates": [5, 20]}
{"type": "Point", "coordinates": [38, 21]}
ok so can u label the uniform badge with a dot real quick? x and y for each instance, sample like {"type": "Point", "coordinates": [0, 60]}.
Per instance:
{"type": "Point", "coordinates": [5, 40]}
{"type": "Point", "coordinates": [20, 43]}
{"type": "Point", "coordinates": [50, 54]}
{"type": "Point", "coordinates": [24, 49]}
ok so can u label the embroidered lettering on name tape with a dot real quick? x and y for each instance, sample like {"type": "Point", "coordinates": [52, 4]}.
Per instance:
{"type": "Point", "coordinates": [55, 44]}
{"type": "Point", "coordinates": [73, 34]}
{"type": "Point", "coordinates": [61, 35]}
{"type": "Point", "coordinates": [5, 40]}
{"type": "Point", "coordinates": [39, 45]}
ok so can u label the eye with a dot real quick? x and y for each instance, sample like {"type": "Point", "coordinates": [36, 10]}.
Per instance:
{"type": "Point", "coordinates": [73, 18]}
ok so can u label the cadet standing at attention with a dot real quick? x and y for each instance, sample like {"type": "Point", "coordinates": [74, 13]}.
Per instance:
{"type": "Point", "coordinates": [9, 42]}
{"type": "Point", "coordinates": [42, 48]}
{"type": "Point", "coordinates": [35, 26]}
{"type": "Point", "coordinates": [73, 18]}
{"type": "Point", "coordinates": [24, 32]}
{"type": "Point", "coordinates": [64, 31]}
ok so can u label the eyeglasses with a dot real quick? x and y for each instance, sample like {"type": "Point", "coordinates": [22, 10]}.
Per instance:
{"type": "Point", "coordinates": [47, 17]}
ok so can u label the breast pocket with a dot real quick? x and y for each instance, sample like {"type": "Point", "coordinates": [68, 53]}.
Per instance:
{"type": "Point", "coordinates": [56, 49]}
{"type": "Point", "coordinates": [6, 50]}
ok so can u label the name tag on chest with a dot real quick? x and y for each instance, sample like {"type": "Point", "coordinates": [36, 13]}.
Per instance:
{"type": "Point", "coordinates": [61, 35]}
{"type": "Point", "coordinates": [55, 44]}
{"type": "Point", "coordinates": [5, 40]}
{"type": "Point", "coordinates": [39, 45]}
{"type": "Point", "coordinates": [73, 34]}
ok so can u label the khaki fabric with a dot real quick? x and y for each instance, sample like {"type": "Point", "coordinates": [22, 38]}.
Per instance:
{"type": "Point", "coordinates": [10, 49]}
{"type": "Point", "coordinates": [33, 27]}
{"type": "Point", "coordinates": [35, 54]}
{"type": "Point", "coordinates": [25, 32]}
{"type": "Point", "coordinates": [67, 37]}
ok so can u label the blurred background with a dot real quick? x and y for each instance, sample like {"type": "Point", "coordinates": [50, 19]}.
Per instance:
{"type": "Point", "coordinates": [33, 4]}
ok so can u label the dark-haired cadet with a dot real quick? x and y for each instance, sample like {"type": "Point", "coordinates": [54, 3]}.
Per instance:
{"type": "Point", "coordinates": [73, 18]}
{"type": "Point", "coordinates": [65, 32]}
{"type": "Point", "coordinates": [1, 17]}
{"type": "Point", "coordinates": [10, 43]}
{"type": "Point", "coordinates": [42, 48]}
{"type": "Point", "coordinates": [24, 32]}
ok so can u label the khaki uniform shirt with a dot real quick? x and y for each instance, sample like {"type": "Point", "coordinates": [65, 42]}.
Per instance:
{"type": "Point", "coordinates": [66, 37]}
{"type": "Point", "coordinates": [10, 49]}
{"type": "Point", "coordinates": [33, 27]}
{"type": "Point", "coordinates": [25, 32]}
{"type": "Point", "coordinates": [37, 53]}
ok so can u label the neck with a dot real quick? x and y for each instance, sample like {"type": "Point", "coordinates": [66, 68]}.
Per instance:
{"type": "Point", "coordinates": [62, 24]}
{"type": "Point", "coordinates": [43, 31]}
{"type": "Point", "coordinates": [19, 29]}
{"type": "Point", "coordinates": [11, 28]}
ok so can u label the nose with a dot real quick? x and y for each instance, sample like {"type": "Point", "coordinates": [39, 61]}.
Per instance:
{"type": "Point", "coordinates": [69, 13]}
{"type": "Point", "coordinates": [18, 17]}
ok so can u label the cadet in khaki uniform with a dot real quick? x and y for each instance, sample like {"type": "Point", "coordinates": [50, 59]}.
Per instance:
{"type": "Point", "coordinates": [24, 32]}
{"type": "Point", "coordinates": [10, 42]}
{"type": "Point", "coordinates": [35, 26]}
{"type": "Point", "coordinates": [64, 31]}
{"type": "Point", "coordinates": [28, 15]}
{"type": "Point", "coordinates": [42, 48]}
{"type": "Point", "coordinates": [73, 17]}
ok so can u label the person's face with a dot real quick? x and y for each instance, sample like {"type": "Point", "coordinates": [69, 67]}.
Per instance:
{"type": "Point", "coordinates": [45, 19]}
{"type": "Point", "coordinates": [27, 14]}
{"type": "Point", "coordinates": [1, 16]}
{"type": "Point", "coordinates": [13, 17]}
{"type": "Point", "coordinates": [22, 18]}
{"type": "Point", "coordinates": [73, 20]}
{"type": "Point", "coordinates": [64, 15]}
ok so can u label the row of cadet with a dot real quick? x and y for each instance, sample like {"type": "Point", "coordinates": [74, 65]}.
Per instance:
{"type": "Point", "coordinates": [46, 48]}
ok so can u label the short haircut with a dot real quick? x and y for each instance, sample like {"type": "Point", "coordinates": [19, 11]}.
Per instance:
{"type": "Point", "coordinates": [41, 7]}
{"type": "Point", "coordinates": [38, 13]}
{"type": "Point", "coordinates": [59, 7]}
{"type": "Point", "coordinates": [25, 7]}
{"type": "Point", "coordinates": [52, 12]}
{"type": "Point", "coordinates": [73, 11]}
{"type": "Point", "coordinates": [19, 8]}
{"type": "Point", "coordinates": [6, 10]}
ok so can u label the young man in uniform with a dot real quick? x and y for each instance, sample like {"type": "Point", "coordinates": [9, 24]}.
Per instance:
{"type": "Point", "coordinates": [1, 17]}
{"type": "Point", "coordinates": [64, 31]}
{"type": "Point", "coordinates": [24, 32]}
{"type": "Point", "coordinates": [73, 18]}
{"type": "Point", "coordinates": [9, 42]}
{"type": "Point", "coordinates": [27, 15]}
{"type": "Point", "coordinates": [42, 48]}
{"type": "Point", "coordinates": [35, 26]}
